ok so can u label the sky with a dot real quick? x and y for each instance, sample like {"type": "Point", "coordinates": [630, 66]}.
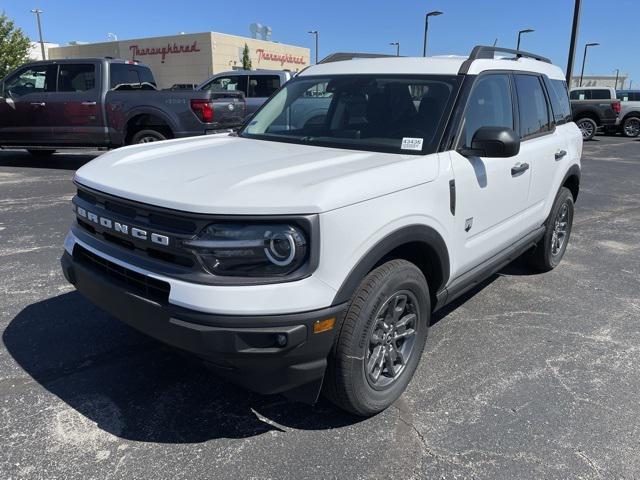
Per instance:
{"type": "Point", "coordinates": [360, 25]}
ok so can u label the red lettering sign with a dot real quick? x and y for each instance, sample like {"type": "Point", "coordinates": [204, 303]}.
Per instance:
{"type": "Point", "coordinates": [279, 57]}
{"type": "Point", "coordinates": [138, 51]}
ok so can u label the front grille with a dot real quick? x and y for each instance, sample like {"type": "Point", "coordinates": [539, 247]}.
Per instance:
{"type": "Point", "coordinates": [137, 215]}
{"type": "Point", "coordinates": [134, 282]}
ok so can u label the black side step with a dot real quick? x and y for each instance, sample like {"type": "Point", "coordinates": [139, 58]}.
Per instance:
{"type": "Point", "coordinates": [477, 274]}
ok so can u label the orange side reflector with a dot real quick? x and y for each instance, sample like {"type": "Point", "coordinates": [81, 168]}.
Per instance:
{"type": "Point", "coordinates": [324, 325]}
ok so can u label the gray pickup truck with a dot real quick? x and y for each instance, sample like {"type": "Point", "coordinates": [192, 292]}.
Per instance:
{"type": "Point", "coordinates": [595, 108]}
{"type": "Point", "coordinates": [104, 103]}
{"type": "Point", "coordinates": [257, 85]}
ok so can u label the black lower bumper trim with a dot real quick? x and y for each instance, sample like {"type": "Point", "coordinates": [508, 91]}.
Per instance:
{"type": "Point", "coordinates": [267, 354]}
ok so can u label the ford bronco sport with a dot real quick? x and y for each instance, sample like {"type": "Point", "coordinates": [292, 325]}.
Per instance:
{"type": "Point", "coordinates": [308, 252]}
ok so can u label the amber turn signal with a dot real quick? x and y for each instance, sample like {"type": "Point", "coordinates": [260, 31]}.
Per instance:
{"type": "Point", "coordinates": [324, 325]}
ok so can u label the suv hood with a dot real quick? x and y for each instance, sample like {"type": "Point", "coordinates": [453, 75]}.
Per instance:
{"type": "Point", "coordinates": [223, 174]}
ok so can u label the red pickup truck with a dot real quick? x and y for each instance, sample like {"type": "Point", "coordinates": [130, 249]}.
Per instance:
{"type": "Point", "coordinates": [104, 103]}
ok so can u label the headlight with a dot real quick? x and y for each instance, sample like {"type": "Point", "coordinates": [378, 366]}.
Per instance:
{"type": "Point", "coordinates": [250, 250]}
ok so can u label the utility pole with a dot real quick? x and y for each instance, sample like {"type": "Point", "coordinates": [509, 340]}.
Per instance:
{"type": "Point", "coordinates": [37, 11]}
{"type": "Point", "coordinates": [617, 75]}
{"type": "Point", "coordinates": [435, 13]}
{"type": "Point", "coordinates": [584, 59]}
{"type": "Point", "coordinates": [315, 33]}
{"type": "Point", "coordinates": [397, 45]}
{"type": "Point", "coordinates": [574, 39]}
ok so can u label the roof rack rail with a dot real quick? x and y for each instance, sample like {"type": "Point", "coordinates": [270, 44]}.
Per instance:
{"type": "Point", "coordinates": [486, 52]}
{"type": "Point", "coordinates": [342, 56]}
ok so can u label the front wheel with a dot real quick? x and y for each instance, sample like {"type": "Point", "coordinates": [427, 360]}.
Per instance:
{"type": "Point", "coordinates": [587, 127]}
{"type": "Point", "coordinates": [549, 251]}
{"type": "Point", "coordinates": [381, 339]}
{"type": "Point", "coordinates": [631, 127]}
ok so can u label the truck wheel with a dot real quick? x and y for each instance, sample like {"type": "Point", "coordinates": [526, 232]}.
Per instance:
{"type": "Point", "coordinates": [381, 339]}
{"type": "Point", "coordinates": [588, 128]}
{"type": "Point", "coordinates": [147, 136]}
{"type": "Point", "coordinates": [549, 251]}
{"type": "Point", "coordinates": [41, 153]}
{"type": "Point", "coordinates": [631, 127]}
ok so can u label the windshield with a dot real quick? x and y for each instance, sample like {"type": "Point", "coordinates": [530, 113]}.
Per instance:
{"type": "Point", "coordinates": [385, 113]}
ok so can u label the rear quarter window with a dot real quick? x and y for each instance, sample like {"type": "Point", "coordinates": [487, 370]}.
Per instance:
{"type": "Point", "coordinates": [559, 97]}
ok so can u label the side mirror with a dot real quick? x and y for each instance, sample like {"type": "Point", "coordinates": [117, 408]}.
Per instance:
{"type": "Point", "coordinates": [493, 142]}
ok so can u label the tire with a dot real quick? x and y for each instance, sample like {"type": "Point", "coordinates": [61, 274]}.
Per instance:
{"type": "Point", "coordinates": [588, 128]}
{"type": "Point", "coordinates": [549, 251]}
{"type": "Point", "coordinates": [631, 127]}
{"type": "Point", "coordinates": [148, 136]}
{"type": "Point", "coordinates": [41, 153]}
{"type": "Point", "coordinates": [347, 382]}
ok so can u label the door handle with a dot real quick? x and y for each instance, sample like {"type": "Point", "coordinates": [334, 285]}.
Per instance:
{"type": "Point", "coordinates": [89, 104]}
{"type": "Point", "coordinates": [519, 168]}
{"type": "Point", "coordinates": [38, 104]}
{"type": "Point", "coordinates": [560, 154]}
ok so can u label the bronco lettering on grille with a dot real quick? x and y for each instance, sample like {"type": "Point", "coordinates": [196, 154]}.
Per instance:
{"type": "Point", "coordinates": [123, 229]}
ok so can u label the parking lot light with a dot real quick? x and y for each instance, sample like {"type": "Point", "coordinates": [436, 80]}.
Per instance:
{"type": "Point", "coordinates": [526, 30]}
{"type": "Point", "coordinates": [435, 13]}
{"type": "Point", "coordinates": [397, 45]}
{"type": "Point", "coordinates": [37, 11]}
{"type": "Point", "coordinates": [315, 33]}
{"type": "Point", "coordinates": [584, 59]}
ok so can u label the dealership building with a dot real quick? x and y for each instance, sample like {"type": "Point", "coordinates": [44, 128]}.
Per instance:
{"type": "Point", "coordinates": [193, 57]}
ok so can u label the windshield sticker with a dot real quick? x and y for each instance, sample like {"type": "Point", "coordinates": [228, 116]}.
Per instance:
{"type": "Point", "coordinates": [409, 143]}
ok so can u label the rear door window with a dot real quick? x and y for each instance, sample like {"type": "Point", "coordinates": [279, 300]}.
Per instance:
{"type": "Point", "coordinates": [263, 85]}
{"type": "Point", "coordinates": [600, 94]}
{"type": "Point", "coordinates": [79, 77]}
{"type": "Point", "coordinates": [228, 83]}
{"type": "Point", "coordinates": [532, 106]}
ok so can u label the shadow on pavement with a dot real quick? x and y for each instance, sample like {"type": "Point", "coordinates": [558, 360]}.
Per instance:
{"type": "Point", "coordinates": [137, 389]}
{"type": "Point", "coordinates": [58, 161]}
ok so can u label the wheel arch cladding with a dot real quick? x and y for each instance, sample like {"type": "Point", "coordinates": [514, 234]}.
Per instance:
{"type": "Point", "coordinates": [418, 244]}
{"type": "Point", "coordinates": [572, 181]}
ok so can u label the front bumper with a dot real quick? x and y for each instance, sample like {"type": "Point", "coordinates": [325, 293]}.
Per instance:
{"type": "Point", "coordinates": [267, 354]}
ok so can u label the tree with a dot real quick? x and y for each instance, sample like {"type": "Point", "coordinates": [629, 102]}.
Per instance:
{"type": "Point", "coordinates": [246, 60]}
{"type": "Point", "coordinates": [14, 46]}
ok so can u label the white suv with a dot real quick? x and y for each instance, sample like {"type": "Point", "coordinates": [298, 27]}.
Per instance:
{"type": "Point", "coordinates": [309, 251]}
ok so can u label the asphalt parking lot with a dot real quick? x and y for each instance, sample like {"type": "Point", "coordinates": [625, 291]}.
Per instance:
{"type": "Point", "coordinates": [528, 376]}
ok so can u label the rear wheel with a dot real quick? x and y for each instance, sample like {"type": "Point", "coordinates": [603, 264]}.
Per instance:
{"type": "Point", "coordinates": [381, 339]}
{"type": "Point", "coordinates": [549, 251]}
{"type": "Point", "coordinates": [148, 136]}
{"type": "Point", "coordinates": [588, 128]}
{"type": "Point", "coordinates": [631, 127]}
{"type": "Point", "coordinates": [41, 153]}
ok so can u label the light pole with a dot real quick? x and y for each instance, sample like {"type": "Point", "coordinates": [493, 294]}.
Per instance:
{"type": "Point", "coordinates": [435, 13]}
{"type": "Point", "coordinates": [112, 35]}
{"type": "Point", "coordinates": [617, 75]}
{"type": "Point", "coordinates": [584, 59]}
{"type": "Point", "coordinates": [526, 30]}
{"type": "Point", "coordinates": [397, 45]}
{"type": "Point", "coordinates": [37, 11]}
{"type": "Point", "coordinates": [315, 33]}
{"type": "Point", "coordinates": [573, 41]}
